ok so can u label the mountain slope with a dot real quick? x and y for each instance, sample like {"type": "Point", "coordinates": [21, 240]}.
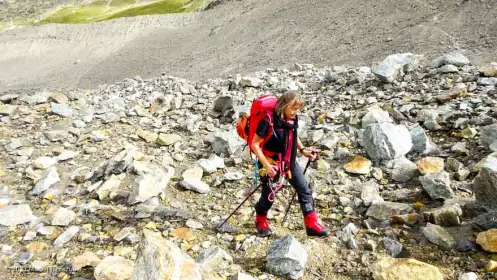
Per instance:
{"type": "Point", "coordinates": [243, 36]}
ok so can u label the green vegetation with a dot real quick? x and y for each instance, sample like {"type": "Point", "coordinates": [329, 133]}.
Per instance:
{"type": "Point", "coordinates": [101, 10]}
{"type": "Point", "coordinates": [160, 7]}
{"type": "Point", "coordinates": [81, 14]}
{"type": "Point", "coordinates": [122, 3]}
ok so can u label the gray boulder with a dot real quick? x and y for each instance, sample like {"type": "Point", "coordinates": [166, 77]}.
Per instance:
{"type": "Point", "coordinates": [386, 141]}
{"type": "Point", "coordinates": [62, 110]}
{"type": "Point", "coordinates": [439, 236]}
{"type": "Point", "coordinates": [488, 135]}
{"type": "Point", "coordinates": [226, 142]}
{"type": "Point", "coordinates": [485, 184]}
{"type": "Point", "coordinates": [286, 257]}
{"type": "Point", "coordinates": [375, 115]}
{"type": "Point", "coordinates": [437, 185]}
{"type": "Point", "coordinates": [453, 58]}
{"type": "Point", "coordinates": [487, 81]}
{"type": "Point", "coordinates": [384, 210]}
{"type": "Point", "coordinates": [389, 68]}
{"type": "Point", "coordinates": [404, 170]}
{"type": "Point", "coordinates": [421, 142]}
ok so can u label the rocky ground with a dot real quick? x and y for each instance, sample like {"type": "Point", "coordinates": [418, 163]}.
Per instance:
{"type": "Point", "coordinates": [116, 182]}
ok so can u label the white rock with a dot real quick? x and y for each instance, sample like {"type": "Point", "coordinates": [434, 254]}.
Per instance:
{"type": "Point", "coordinates": [370, 193]}
{"type": "Point", "coordinates": [376, 115]}
{"type": "Point", "coordinates": [215, 258]}
{"type": "Point", "coordinates": [233, 176]}
{"type": "Point", "coordinates": [195, 185]}
{"type": "Point", "coordinates": [250, 82]}
{"type": "Point", "coordinates": [44, 162]}
{"type": "Point", "coordinates": [153, 180]}
{"type": "Point", "coordinates": [50, 178]}
{"type": "Point", "coordinates": [211, 164]}
{"type": "Point", "coordinates": [193, 173]}
{"type": "Point", "coordinates": [390, 67]}
{"type": "Point", "coordinates": [66, 236]}
{"type": "Point", "coordinates": [14, 215]}
{"type": "Point", "coordinates": [108, 186]}
{"type": "Point", "coordinates": [286, 257]}
{"type": "Point", "coordinates": [7, 110]}
{"type": "Point", "coordinates": [62, 110]}
{"type": "Point", "coordinates": [66, 155]}
{"type": "Point", "coordinates": [159, 259]}
{"type": "Point", "coordinates": [63, 217]}
{"type": "Point", "coordinates": [194, 224]}
{"type": "Point", "coordinates": [114, 268]}
{"type": "Point", "coordinates": [468, 276]}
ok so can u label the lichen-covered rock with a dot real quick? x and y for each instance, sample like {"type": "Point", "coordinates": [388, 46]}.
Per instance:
{"type": "Point", "coordinates": [404, 269]}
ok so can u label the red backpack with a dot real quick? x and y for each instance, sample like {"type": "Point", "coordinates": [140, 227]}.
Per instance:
{"type": "Point", "coordinates": [246, 127]}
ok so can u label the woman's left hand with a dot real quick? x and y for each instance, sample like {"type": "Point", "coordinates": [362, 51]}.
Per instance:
{"type": "Point", "coordinates": [311, 154]}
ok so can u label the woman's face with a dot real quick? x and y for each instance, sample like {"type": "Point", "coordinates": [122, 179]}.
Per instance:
{"type": "Point", "coordinates": [291, 109]}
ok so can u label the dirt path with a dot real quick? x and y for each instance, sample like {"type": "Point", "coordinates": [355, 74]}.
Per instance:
{"type": "Point", "coordinates": [243, 36]}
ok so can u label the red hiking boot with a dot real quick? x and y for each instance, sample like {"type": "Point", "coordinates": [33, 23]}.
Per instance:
{"type": "Point", "coordinates": [262, 225]}
{"type": "Point", "coordinates": [312, 226]}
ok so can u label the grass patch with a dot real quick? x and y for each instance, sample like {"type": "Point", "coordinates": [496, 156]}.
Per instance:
{"type": "Point", "coordinates": [122, 3]}
{"type": "Point", "coordinates": [101, 10]}
{"type": "Point", "coordinates": [160, 7]}
{"type": "Point", "coordinates": [77, 14]}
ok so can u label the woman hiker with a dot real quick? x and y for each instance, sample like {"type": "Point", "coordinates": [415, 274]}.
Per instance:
{"type": "Point", "coordinates": [283, 146]}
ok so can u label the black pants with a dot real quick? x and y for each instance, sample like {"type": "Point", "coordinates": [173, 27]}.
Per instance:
{"type": "Point", "coordinates": [300, 184]}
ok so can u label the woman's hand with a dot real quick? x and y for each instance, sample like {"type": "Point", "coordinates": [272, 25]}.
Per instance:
{"type": "Point", "coordinates": [256, 146]}
{"type": "Point", "coordinates": [311, 154]}
{"type": "Point", "coordinates": [270, 171]}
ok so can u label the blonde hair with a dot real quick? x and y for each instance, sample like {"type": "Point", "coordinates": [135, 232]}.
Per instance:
{"type": "Point", "coordinates": [285, 99]}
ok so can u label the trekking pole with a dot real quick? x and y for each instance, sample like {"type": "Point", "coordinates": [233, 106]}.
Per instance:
{"type": "Point", "coordinates": [256, 173]}
{"type": "Point", "coordinates": [294, 195]}
{"type": "Point", "coordinates": [246, 198]}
